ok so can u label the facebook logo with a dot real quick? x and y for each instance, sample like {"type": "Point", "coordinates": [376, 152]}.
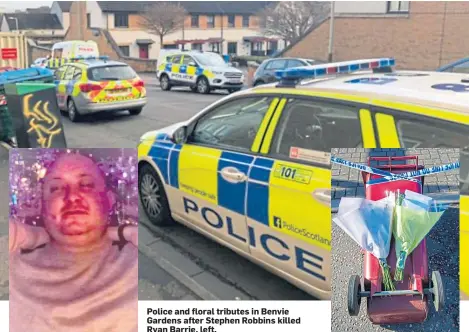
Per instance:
{"type": "Point", "coordinates": [277, 222]}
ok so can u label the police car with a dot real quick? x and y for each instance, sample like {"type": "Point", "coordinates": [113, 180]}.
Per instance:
{"type": "Point", "coordinates": [252, 171]}
{"type": "Point", "coordinates": [201, 71]}
{"type": "Point", "coordinates": [95, 84]}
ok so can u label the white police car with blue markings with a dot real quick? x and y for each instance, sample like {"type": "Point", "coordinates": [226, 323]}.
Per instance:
{"type": "Point", "coordinates": [201, 71]}
{"type": "Point", "coordinates": [252, 170]}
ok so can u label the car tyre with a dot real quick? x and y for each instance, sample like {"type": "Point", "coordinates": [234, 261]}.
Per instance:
{"type": "Point", "coordinates": [153, 197]}
{"type": "Point", "coordinates": [203, 87]}
{"type": "Point", "coordinates": [72, 111]}
{"type": "Point", "coordinates": [233, 90]}
{"type": "Point", "coordinates": [136, 111]}
{"type": "Point", "coordinates": [194, 88]}
{"type": "Point", "coordinates": [165, 84]}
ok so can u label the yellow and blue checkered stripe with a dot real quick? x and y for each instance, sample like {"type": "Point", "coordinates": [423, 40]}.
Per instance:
{"type": "Point", "coordinates": [184, 69]}
{"type": "Point", "coordinates": [231, 196]}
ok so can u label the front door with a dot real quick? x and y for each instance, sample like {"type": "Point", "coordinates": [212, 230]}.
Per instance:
{"type": "Point", "coordinates": [213, 167]}
{"type": "Point", "coordinates": [143, 51]}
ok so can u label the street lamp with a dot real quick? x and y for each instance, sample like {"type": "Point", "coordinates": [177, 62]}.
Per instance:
{"type": "Point", "coordinates": [16, 20]}
{"type": "Point", "coordinates": [222, 15]}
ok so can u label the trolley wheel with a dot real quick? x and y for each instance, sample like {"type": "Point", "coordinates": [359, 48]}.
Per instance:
{"type": "Point", "coordinates": [354, 299]}
{"type": "Point", "coordinates": [438, 291]}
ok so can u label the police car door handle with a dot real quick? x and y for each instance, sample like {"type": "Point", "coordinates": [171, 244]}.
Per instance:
{"type": "Point", "coordinates": [233, 175]}
{"type": "Point", "coordinates": [323, 196]}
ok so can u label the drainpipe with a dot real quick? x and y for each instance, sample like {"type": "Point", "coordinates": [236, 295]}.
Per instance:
{"type": "Point", "coordinates": [331, 32]}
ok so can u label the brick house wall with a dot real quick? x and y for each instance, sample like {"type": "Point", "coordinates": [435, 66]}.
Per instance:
{"type": "Point", "coordinates": [431, 35]}
{"type": "Point", "coordinates": [106, 44]}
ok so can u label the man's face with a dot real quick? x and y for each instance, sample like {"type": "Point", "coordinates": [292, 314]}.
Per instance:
{"type": "Point", "coordinates": [76, 201]}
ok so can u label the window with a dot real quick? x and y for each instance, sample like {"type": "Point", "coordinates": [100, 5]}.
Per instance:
{"type": "Point", "coordinates": [196, 47]}
{"type": "Point", "coordinates": [111, 73]}
{"type": "Point", "coordinates": [77, 74]}
{"type": "Point", "coordinates": [88, 20]}
{"type": "Point", "coordinates": [295, 63]}
{"type": "Point", "coordinates": [176, 59]}
{"type": "Point", "coordinates": [276, 64]}
{"type": "Point", "coordinates": [187, 59]}
{"type": "Point", "coordinates": [57, 53]}
{"type": "Point", "coordinates": [210, 21]}
{"type": "Point", "coordinates": [195, 21]}
{"type": "Point", "coordinates": [59, 73]}
{"type": "Point", "coordinates": [232, 48]}
{"type": "Point", "coordinates": [231, 21]}
{"type": "Point", "coordinates": [245, 21]}
{"type": "Point", "coordinates": [121, 20]}
{"type": "Point", "coordinates": [316, 125]}
{"type": "Point", "coordinates": [170, 47]}
{"type": "Point", "coordinates": [125, 50]}
{"type": "Point", "coordinates": [233, 124]}
{"type": "Point", "coordinates": [462, 68]}
{"type": "Point", "coordinates": [398, 6]}
{"type": "Point", "coordinates": [69, 73]}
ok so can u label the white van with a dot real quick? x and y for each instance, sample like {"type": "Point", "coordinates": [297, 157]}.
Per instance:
{"type": "Point", "coordinates": [75, 48]}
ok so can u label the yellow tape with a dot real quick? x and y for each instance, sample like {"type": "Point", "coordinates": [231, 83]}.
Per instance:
{"type": "Point", "coordinates": [261, 132]}
{"type": "Point", "coordinates": [368, 134]}
{"type": "Point", "coordinates": [387, 131]}
{"type": "Point", "coordinates": [273, 124]}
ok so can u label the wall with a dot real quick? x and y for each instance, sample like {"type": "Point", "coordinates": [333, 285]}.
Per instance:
{"type": "Point", "coordinates": [97, 16]}
{"type": "Point", "coordinates": [106, 44]}
{"type": "Point", "coordinates": [431, 36]}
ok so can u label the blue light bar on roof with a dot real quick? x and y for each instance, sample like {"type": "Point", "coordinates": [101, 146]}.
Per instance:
{"type": "Point", "coordinates": [345, 67]}
{"type": "Point", "coordinates": [85, 58]}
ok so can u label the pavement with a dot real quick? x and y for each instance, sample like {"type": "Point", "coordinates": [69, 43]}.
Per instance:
{"type": "Point", "coordinates": [176, 263]}
{"type": "Point", "coordinates": [442, 243]}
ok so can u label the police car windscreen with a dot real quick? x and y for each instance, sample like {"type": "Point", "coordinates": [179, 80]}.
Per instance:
{"type": "Point", "coordinates": [111, 73]}
{"type": "Point", "coordinates": [210, 60]}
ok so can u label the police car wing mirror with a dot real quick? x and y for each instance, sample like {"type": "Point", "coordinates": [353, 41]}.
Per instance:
{"type": "Point", "coordinates": [179, 136]}
{"type": "Point", "coordinates": [192, 63]}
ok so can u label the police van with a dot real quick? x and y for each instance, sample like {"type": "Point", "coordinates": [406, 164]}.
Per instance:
{"type": "Point", "coordinates": [252, 170]}
{"type": "Point", "coordinates": [63, 51]}
{"type": "Point", "coordinates": [201, 71]}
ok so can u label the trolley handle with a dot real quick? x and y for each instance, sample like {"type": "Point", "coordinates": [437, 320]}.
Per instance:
{"type": "Point", "coordinates": [390, 159]}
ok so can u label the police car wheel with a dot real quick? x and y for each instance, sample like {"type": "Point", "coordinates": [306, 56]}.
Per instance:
{"type": "Point", "coordinates": [203, 86]}
{"type": "Point", "coordinates": [136, 111]}
{"type": "Point", "coordinates": [164, 83]}
{"type": "Point", "coordinates": [194, 88]}
{"type": "Point", "coordinates": [153, 197]}
{"type": "Point", "coordinates": [73, 114]}
{"type": "Point", "coordinates": [233, 90]}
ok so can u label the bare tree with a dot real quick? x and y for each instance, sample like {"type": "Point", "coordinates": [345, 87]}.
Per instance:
{"type": "Point", "coordinates": [163, 18]}
{"type": "Point", "coordinates": [292, 19]}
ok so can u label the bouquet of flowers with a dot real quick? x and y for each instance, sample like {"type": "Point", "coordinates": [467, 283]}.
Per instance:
{"type": "Point", "coordinates": [369, 224]}
{"type": "Point", "coordinates": [414, 216]}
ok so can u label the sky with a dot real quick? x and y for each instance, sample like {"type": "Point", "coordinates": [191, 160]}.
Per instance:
{"type": "Point", "coordinates": [11, 6]}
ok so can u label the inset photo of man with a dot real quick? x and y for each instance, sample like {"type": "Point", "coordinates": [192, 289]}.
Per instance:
{"type": "Point", "coordinates": [73, 240]}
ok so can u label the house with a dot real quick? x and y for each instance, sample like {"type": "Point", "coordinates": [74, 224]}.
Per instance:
{"type": "Point", "coordinates": [227, 27]}
{"type": "Point", "coordinates": [44, 28]}
{"type": "Point", "coordinates": [62, 10]}
{"type": "Point", "coordinates": [419, 34]}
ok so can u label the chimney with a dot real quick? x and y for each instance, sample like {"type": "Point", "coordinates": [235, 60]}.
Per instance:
{"type": "Point", "coordinates": [77, 30]}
